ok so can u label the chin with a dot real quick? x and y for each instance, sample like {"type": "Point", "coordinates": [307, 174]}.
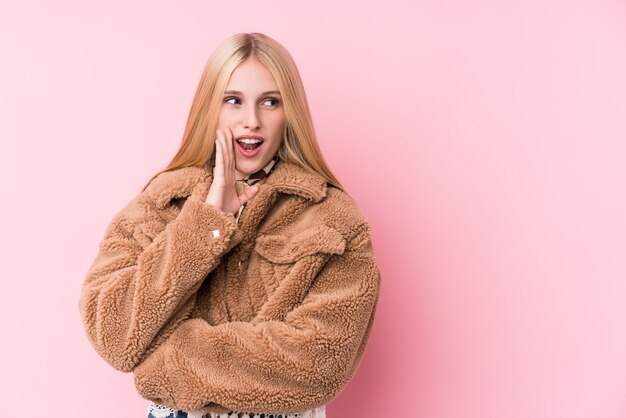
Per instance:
{"type": "Point", "coordinates": [248, 167]}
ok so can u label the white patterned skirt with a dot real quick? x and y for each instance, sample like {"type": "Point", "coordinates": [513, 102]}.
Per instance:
{"type": "Point", "coordinates": [160, 411]}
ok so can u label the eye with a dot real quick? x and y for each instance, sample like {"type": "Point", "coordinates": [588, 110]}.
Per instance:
{"type": "Point", "coordinates": [229, 98]}
{"type": "Point", "coordinates": [274, 100]}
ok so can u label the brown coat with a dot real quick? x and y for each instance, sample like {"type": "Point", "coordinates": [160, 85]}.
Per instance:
{"type": "Point", "coordinates": [271, 313]}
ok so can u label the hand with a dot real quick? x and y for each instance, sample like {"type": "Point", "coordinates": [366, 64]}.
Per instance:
{"type": "Point", "coordinates": [222, 193]}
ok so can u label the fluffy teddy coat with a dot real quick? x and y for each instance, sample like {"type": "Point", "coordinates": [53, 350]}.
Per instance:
{"type": "Point", "coordinates": [270, 312]}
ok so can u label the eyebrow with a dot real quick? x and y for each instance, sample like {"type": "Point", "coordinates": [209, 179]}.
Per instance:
{"type": "Point", "coordinates": [241, 94]}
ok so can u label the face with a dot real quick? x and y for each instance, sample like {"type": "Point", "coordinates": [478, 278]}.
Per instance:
{"type": "Point", "coordinates": [253, 108]}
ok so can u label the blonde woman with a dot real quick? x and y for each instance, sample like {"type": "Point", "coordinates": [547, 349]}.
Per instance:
{"type": "Point", "coordinates": [241, 281]}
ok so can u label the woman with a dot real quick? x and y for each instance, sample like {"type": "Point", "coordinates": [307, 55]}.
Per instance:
{"type": "Point", "coordinates": [241, 280]}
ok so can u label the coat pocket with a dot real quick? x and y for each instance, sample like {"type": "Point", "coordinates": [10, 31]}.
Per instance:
{"type": "Point", "coordinates": [282, 249]}
{"type": "Point", "coordinates": [288, 265]}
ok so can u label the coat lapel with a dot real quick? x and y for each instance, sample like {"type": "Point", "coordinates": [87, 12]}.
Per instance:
{"type": "Point", "coordinates": [287, 178]}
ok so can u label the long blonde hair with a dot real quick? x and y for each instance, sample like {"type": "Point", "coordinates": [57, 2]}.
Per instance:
{"type": "Point", "coordinates": [299, 143]}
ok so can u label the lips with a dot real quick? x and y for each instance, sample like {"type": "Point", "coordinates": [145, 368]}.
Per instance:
{"type": "Point", "coordinates": [249, 142]}
{"type": "Point", "coordinates": [249, 145]}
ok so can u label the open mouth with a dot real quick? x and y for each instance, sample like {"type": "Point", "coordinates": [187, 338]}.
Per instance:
{"type": "Point", "coordinates": [249, 144]}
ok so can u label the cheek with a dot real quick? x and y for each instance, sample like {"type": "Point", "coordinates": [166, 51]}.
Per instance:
{"type": "Point", "coordinates": [276, 122]}
{"type": "Point", "coordinates": [225, 120]}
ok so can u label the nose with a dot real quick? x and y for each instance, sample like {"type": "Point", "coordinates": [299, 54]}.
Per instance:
{"type": "Point", "coordinates": [251, 119]}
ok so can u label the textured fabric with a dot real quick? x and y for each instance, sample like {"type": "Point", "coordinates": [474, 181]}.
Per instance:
{"type": "Point", "coordinates": [271, 314]}
{"type": "Point", "coordinates": [158, 411]}
{"type": "Point", "coordinates": [258, 178]}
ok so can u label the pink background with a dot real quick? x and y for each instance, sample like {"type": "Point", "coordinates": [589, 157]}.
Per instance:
{"type": "Point", "coordinates": [484, 141]}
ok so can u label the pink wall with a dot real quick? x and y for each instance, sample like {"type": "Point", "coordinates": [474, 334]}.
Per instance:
{"type": "Point", "coordinates": [495, 130]}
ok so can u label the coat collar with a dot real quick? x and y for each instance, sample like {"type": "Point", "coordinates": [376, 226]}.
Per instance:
{"type": "Point", "coordinates": [287, 177]}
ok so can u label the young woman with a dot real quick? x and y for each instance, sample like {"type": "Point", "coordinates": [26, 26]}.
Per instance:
{"type": "Point", "coordinates": [241, 280]}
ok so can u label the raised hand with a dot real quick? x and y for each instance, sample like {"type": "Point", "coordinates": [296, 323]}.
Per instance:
{"type": "Point", "coordinates": [222, 193]}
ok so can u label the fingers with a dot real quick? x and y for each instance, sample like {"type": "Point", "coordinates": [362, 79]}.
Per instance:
{"type": "Point", "coordinates": [231, 153]}
{"type": "Point", "coordinates": [218, 171]}
{"type": "Point", "coordinates": [225, 141]}
{"type": "Point", "coordinates": [248, 194]}
{"type": "Point", "coordinates": [223, 192]}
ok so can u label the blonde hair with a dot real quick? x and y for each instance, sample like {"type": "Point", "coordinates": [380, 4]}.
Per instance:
{"type": "Point", "coordinates": [299, 143]}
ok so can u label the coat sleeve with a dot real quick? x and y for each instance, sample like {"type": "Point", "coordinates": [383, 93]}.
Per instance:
{"type": "Point", "coordinates": [290, 365]}
{"type": "Point", "coordinates": [137, 286]}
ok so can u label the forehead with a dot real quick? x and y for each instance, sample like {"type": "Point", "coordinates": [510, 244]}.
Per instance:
{"type": "Point", "coordinates": [251, 76]}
